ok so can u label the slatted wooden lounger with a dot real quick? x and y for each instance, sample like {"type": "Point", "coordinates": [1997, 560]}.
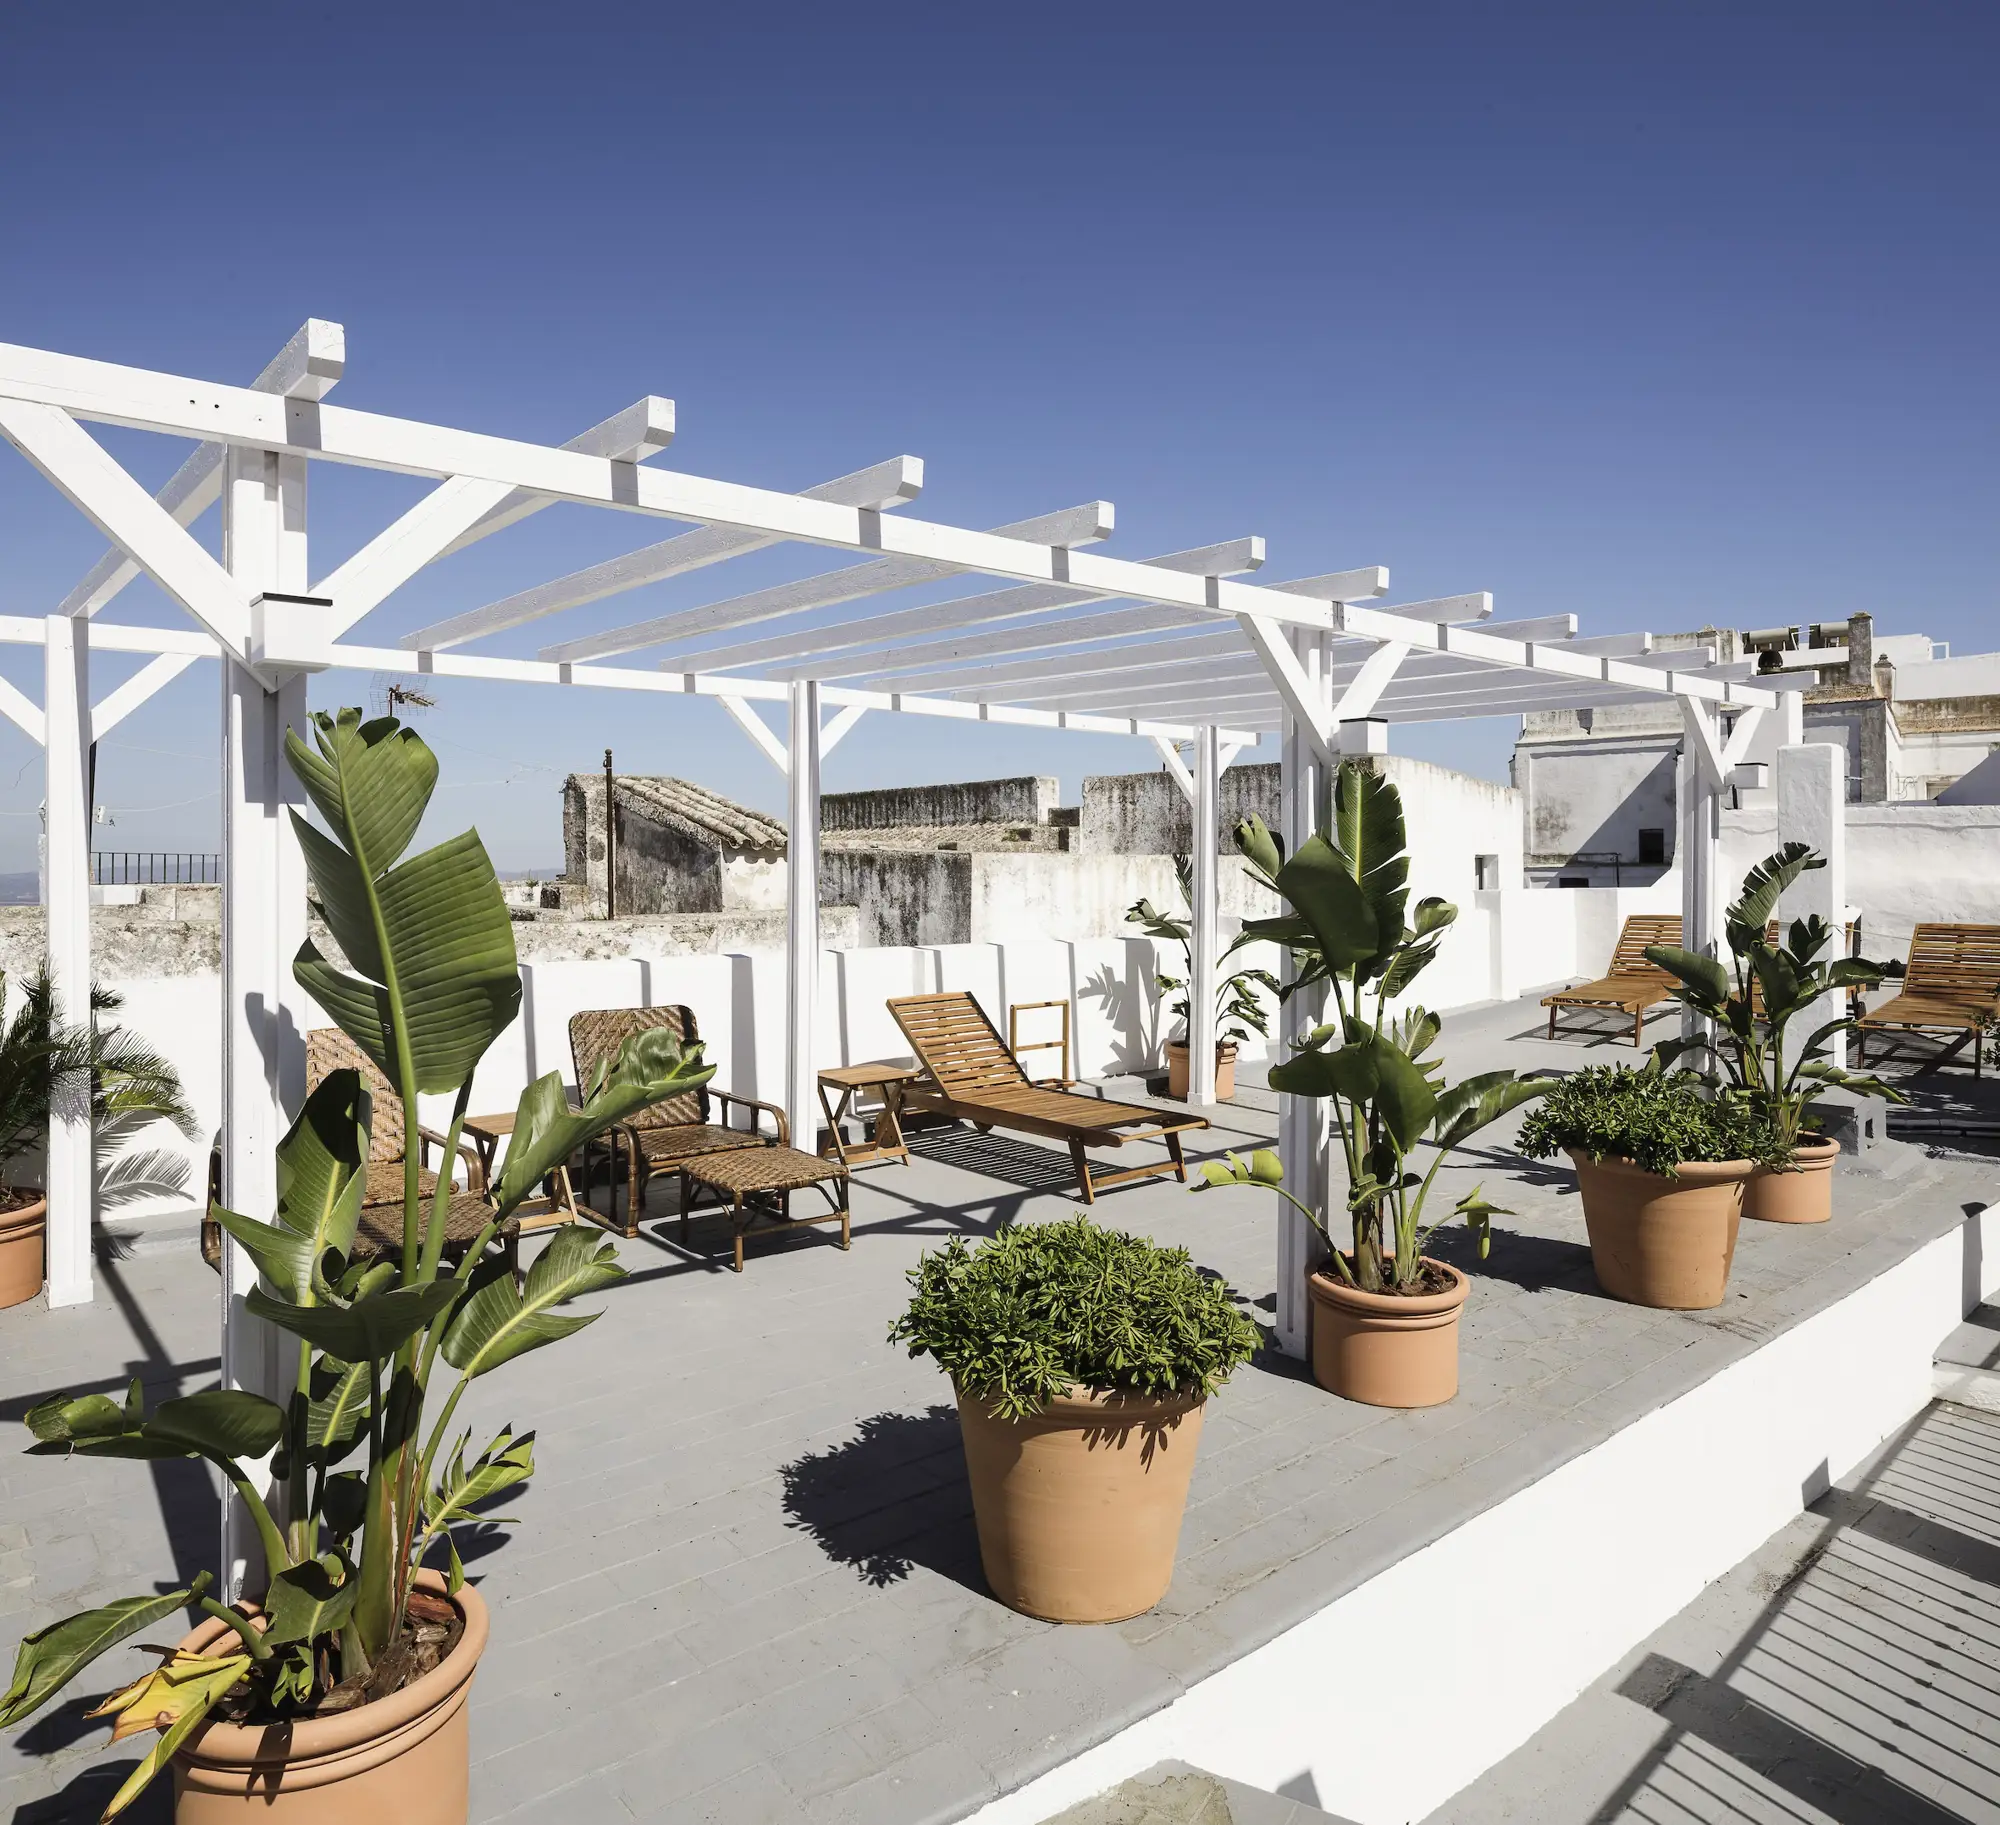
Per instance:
{"type": "Point", "coordinates": [974, 1078]}
{"type": "Point", "coordinates": [1951, 985]}
{"type": "Point", "coordinates": [1631, 984]}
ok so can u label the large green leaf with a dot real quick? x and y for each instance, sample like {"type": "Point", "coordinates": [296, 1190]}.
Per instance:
{"type": "Point", "coordinates": [50, 1658]}
{"type": "Point", "coordinates": [337, 1409]}
{"type": "Point", "coordinates": [1479, 1101]}
{"type": "Point", "coordinates": [372, 1329]}
{"type": "Point", "coordinates": [504, 1463]}
{"type": "Point", "coordinates": [1350, 1072]}
{"type": "Point", "coordinates": [1322, 890]}
{"type": "Point", "coordinates": [221, 1423]}
{"type": "Point", "coordinates": [309, 1600]}
{"type": "Point", "coordinates": [1403, 1093]}
{"type": "Point", "coordinates": [650, 1066]}
{"type": "Point", "coordinates": [1765, 884]}
{"type": "Point", "coordinates": [1258, 847]}
{"type": "Point", "coordinates": [1705, 976]}
{"type": "Point", "coordinates": [341, 890]}
{"type": "Point", "coordinates": [1368, 825]}
{"type": "Point", "coordinates": [323, 1164]}
{"type": "Point", "coordinates": [284, 1258]}
{"type": "Point", "coordinates": [370, 780]}
{"type": "Point", "coordinates": [452, 942]}
{"type": "Point", "coordinates": [500, 1321]}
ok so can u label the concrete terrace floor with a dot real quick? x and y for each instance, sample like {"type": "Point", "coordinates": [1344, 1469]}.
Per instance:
{"type": "Point", "coordinates": [745, 1585]}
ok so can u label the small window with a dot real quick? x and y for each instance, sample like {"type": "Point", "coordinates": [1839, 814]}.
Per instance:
{"type": "Point", "coordinates": [1573, 880]}
{"type": "Point", "coordinates": [1485, 872]}
{"type": "Point", "coordinates": [1653, 847]}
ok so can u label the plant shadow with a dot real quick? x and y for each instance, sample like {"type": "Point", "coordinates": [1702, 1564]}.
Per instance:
{"type": "Point", "coordinates": [891, 1498]}
{"type": "Point", "coordinates": [1536, 1264]}
{"type": "Point", "coordinates": [91, 1791]}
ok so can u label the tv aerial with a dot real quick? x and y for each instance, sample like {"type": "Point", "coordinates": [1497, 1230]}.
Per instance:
{"type": "Point", "coordinates": [399, 695]}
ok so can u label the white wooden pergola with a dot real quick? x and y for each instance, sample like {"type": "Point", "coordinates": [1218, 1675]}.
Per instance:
{"type": "Point", "coordinates": [1176, 650]}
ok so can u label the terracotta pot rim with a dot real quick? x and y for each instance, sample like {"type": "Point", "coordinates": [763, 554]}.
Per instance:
{"type": "Point", "coordinates": [1813, 1156]}
{"type": "Point", "coordinates": [1690, 1172]}
{"type": "Point", "coordinates": [28, 1218]}
{"type": "Point", "coordinates": [1329, 1289]}
{"type": "Point", "coordinates": [1224, 1048]}
{"type": "Point", "coordinates": [20, 1213]}
{"type": "Point", "coordinates": [238, 1745]}
{"type": "Point", "coordinates": [1092, 1406]}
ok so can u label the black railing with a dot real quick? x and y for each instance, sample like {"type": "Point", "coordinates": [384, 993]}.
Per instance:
{"type": "Point", "coordinates": [153, 868]}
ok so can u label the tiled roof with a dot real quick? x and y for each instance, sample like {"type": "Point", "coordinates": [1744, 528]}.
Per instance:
{"type": "Point", "coordinates": [697, 812]}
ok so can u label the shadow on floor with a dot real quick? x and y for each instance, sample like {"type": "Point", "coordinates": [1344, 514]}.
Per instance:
{"type": "Point", "coordinates": [889, 1499]}
{"type": "Point", "coordinates": [1533, 1263]}
{"type": "Point", "coordinates": [998, 1156]}
{"type": "Point", "coordinates": [87, 1796]}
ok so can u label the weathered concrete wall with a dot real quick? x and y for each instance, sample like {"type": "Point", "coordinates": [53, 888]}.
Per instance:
{"type": "Point", "coordinates": [902, 896]}
{"type": "Point", "coordinates": [1027, 800]}
{"type": "Point", "coordinates": [1147, 814]}
{"type": "Point", "coordinates": [1906, 864]}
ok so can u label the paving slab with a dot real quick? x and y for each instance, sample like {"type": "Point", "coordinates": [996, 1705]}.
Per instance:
{"type": "Point", "coordinates": [749, 1532]}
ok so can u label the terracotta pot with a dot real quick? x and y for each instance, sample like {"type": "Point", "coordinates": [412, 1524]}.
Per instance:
{"type": "Point", "coordinates": [1386, 1349]}
{"type": "Point", "coordinates": [1802, 1193]}
{"type": "Point", "coordinates": [1225, 1070]}
{"type": "Point", "coordinates": [1079, 1507]}
{"type": "Point", "coordinates": [22, 1235]}
{"type": "Point", "coordinates": [403, 1758]}
{"type": "Point", "coordinates": [1658, 1241]}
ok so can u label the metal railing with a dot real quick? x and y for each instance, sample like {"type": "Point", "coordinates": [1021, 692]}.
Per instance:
{"type": "Point", "coordinates": [153, 868]}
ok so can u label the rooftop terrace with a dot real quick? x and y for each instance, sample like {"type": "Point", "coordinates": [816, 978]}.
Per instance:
{"type": "Point", "coordinates": [747, 1586]}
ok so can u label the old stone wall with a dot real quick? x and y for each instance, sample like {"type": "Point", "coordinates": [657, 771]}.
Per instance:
{"type": "Point", "coordinates": [901, 896]}
{"type": "Point", "coordinates": [1147, 814]}
{"type": "Point", "coordinates": [1028, 800]}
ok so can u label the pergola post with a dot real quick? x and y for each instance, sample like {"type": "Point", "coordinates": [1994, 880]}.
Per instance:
{"type": "Point", "coordinates": [1702, 774]}
{"type": "Point", "coordinates": [1812, 809]}
{"type": "Point", "coordinates": [71, 1177]}
{"type": "Point", "coordinates": [263, 924]}
{"type": "Point", "coordinates": [802, 914]}
{"type": "Point", "coordinates": [1304, 1131]}
{"type": "Point", "coordinates": [1203, 943]}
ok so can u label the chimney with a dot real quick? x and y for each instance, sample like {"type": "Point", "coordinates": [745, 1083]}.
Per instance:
{"type": "Point", "coordinates": [1861, 653]}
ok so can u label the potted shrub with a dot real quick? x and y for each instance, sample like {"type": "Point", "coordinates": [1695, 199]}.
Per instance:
{"type": "Point", "coordinates": [1750, 1005]}
{"type": "Point", "coordinates": [43, 1061]}
{"type": "Point", "coordinates": [1661, 1164]}
{"type": "Point", "coordinates": [341, 1691]}
{"type": "Point", "coordinates": [1238, 1010]}
{"type": "Point", "coordinates": [1082, 1358]}
{"type": "Point", "coordinates": [1385, 1314]}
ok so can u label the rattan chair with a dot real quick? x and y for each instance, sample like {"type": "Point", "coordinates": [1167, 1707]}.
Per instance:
{"type": "Point", "coordinates": [665, 1136]}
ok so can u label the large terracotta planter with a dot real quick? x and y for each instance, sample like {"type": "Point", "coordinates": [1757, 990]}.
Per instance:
{"type": "Point", "coordinates": [1802, 1193]}
{"type": "Point", "coordinates": [402, 1758]}
{"type": "Point", "coordinates": [1225, 1070]}
{"type": "Point", "coordinates": [1386, 1349]}
{"type": "Point", "coordinates": [1079, 1507]}
{"type": "Point", "coordinates": [1658, 1241]}
{"type": "Point", "coordinates": [22, 1249]}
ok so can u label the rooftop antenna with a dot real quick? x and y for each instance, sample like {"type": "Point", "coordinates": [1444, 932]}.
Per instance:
{"type": "Point", "coordinates": [390, 694]}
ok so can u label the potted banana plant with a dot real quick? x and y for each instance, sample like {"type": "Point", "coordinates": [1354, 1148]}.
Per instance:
{"type": "Point", "coordinates": [341, 1690]}
{"type": "Point", "coordinates": [1238, 1010]}
{"type": "Point", "coordinates": [1385, 1314]}
{"type": "Point", "coordinates": [1773, 977]}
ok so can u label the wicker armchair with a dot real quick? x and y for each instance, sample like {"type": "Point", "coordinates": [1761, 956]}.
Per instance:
{"type": "Point", "coordinates": [380, 1231]}
{"type": "Point", "coordinates": [665, 1136]}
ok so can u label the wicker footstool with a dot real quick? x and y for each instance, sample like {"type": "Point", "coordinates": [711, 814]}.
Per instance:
{"type": "Point", "coordinates": [761, 1180]}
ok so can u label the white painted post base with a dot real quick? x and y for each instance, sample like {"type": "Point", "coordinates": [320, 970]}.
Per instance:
{"type": "Point", "coordinates": [1812, 809]}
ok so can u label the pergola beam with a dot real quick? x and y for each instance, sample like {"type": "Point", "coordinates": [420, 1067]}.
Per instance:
{"type": "Point", "coordinates": [878, 488]}
{"type": "Point", "coordinates": [307, 367]}
{"type": "Point", "coordinates": [1080, 630]}
{"type": "Point", "coordinates": [460, 512]}
{"type": "Point", "coordinates": [144, 684]}
{"type": "Point", "coordinates": [1071, 526]}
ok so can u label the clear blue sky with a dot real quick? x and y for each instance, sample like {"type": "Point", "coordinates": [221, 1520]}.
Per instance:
{"type": "Point", "coordinates": [1654, 313]}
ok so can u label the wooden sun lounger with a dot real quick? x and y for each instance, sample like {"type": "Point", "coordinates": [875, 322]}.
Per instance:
{"type": "Point", "coordinates": [974, 1078]}
{"type": "Point", "coordinates": [1951, 985]}
{"type": "Point", "coordinates": [1631, 985]}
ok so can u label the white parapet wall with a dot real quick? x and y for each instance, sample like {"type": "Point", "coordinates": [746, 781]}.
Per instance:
{"type": "Point", "coordinates": [1499, 1624]}
{"type": "Point", "coordinates": [1506, 942]}
{"type": "Point", "coordinates": [1906, 862]}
